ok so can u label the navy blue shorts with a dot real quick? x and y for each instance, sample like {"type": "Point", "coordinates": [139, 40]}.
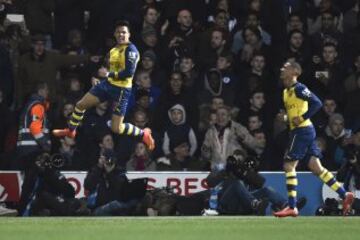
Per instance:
{"type": "Point", "coordinates": [302, 144]}
{"type": "Point", "coordinates": [117, 95]}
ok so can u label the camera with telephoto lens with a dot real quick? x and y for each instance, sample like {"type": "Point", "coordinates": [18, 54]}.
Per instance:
{"type": "Point", "coordinates": [245, 168]}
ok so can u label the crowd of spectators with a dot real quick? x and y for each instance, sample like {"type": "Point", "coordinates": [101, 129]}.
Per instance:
{"type": "Point", "coordinates": [207, 82]}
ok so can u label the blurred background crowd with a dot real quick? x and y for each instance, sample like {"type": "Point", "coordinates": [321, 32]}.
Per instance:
{"type": "Point", "coordinates": [207, 83]}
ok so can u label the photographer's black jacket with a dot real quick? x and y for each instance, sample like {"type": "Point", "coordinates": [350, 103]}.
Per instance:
{"type": "Point", "coordinates": [216, 177]}
{"type": "Point", "coordinates": [38, 181]}
{"type": "Point", "coordinates": [109, 186]}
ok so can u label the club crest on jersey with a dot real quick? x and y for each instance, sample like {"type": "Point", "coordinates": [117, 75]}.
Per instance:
{"type": "Point", "coordinates": [290, 93]}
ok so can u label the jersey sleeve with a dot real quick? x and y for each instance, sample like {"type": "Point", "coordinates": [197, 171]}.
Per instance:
{"type": "Point", "coordinates": [131, 60]}
{"type": "Point", "coordinates": [314, 102]}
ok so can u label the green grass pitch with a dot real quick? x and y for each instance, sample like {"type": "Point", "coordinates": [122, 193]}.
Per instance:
{"type": "Point", "coordinates": [219, 228]}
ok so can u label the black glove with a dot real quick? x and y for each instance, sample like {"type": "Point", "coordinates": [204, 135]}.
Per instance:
{"type": "Point", "coordinates": [44, 143]}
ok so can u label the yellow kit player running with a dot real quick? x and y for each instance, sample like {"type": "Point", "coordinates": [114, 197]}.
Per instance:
{"type": "Point", "coordinates": [300, 105]}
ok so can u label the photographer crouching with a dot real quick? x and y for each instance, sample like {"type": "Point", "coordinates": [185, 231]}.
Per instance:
{"type": "Point", "coordinates": [46, 192]}
{"type": "Point", "coordinates": [349, 172]}
{"type": "Point", "coordinates": [239, 189]}
{"type": "Point", "coordinates": [107, 185]}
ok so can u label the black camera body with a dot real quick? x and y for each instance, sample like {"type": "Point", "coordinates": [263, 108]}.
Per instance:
{"type": "Point", "coordinates": [244, 168]}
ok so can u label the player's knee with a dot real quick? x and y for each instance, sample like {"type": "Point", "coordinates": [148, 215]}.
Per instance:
{"type": "Point", "coordinates": [80, 105]}
{"type": "Point", "coordinates": [289, 167]}
{"type": "Point", "coordinates": [315, 166]}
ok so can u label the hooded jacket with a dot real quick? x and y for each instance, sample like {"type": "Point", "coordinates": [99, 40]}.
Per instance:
{"type": "Point", "coordinates": [177, 133]}
{"type": "Point", "coordinates": [221, 89]}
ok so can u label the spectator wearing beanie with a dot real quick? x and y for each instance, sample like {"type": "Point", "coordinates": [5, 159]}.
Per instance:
{"type": "Point", "coordinates": [148, 40]}
{"type": "Point", "coordinates": [150, 64]}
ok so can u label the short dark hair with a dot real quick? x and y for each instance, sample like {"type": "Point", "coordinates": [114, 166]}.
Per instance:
{"type": "Point", "coordinates": [225, 107]}
{"type": "Point", "coordinates": [139, 111]}
{"type": "Point", "coordinates": [255, 30]}
{"type": "Point", "coordinates": [258, 54]}
{"type": "Point", "coordinates": [178, 73]}
{"type": "Point", "coordinates": [187, 55]}
{"type": "Point", "coordinates": [296, 14]}
{"type": "Point", "coordinates": [218, 11]}
{"type": "Point", "coordinates": [330, 12]}
{"type": "Point", "coordinates": [101, 133]}
{"type": "Point", "coordinates": [184, 9]}
{"type": "Point", "coordinates": [292, 32]}
{"type": "Point", "coordinates": [253, 13]}
{"type": "Point", "coordinates": [257, 90]}
{"type": "Point", "coordinates": [223, 32]}
{"type": "Point", "coordinates": [329, 44]}
{"type": "Point", "coordinates": [228, 55]}
{"type": "Point", "coordinates": [257, 131]}
{"type": "Point", "coordinates": [147, 7]}
{"type": "Point", "coordinates": [122, 23]}
{"type": "Point", "coordinates": [254, 114]}
{"type": "Point", "coordinates": [141, 93]}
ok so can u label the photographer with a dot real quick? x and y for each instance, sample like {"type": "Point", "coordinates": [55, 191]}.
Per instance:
{"type": "Point", "coordinates": [46, 192]}
{"type": "Point", "coordinates": [349, 173]}
{"type": "Point", "coordinates": [106, 183]}
{"type": "Point", "coordinates": [228, 192]}
{"type": "Point", "coordinates": [238, 189]}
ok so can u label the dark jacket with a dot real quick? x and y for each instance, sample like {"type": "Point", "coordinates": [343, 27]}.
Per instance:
{"type": "Point", "coordinates": [107, 186]}
{"type": "Point", "coordinates": [32, 71]}
{"type": "Point", "coordinates": [216, 177]}
{"type": "Point", "coordinates": [38, 183]}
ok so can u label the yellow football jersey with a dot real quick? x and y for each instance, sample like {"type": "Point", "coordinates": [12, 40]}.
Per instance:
{"type": "Point", "coordinates": [295, 105]}
{"type": "Point", "coordinates": [123, 60]}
